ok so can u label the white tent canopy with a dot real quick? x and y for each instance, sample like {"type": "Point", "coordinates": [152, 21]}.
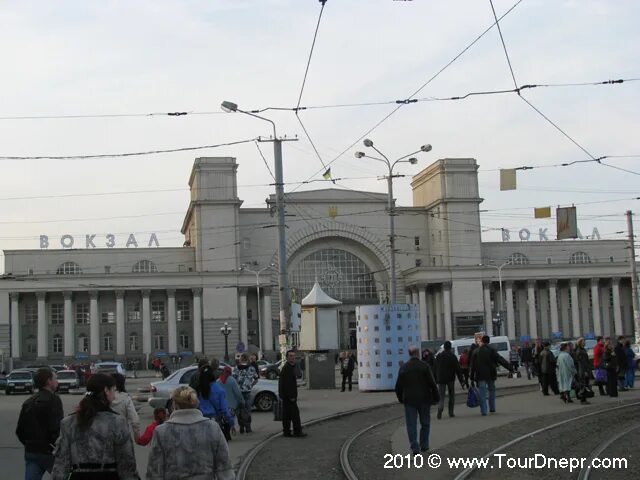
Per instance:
{"type": "Point", "coordinates": [317, 298]}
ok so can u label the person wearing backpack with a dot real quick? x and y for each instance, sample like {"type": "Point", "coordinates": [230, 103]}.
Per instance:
{"type": "Point", "coordinates": [39, 424]}
{"type": "Point", "coordinates": [246, 376]}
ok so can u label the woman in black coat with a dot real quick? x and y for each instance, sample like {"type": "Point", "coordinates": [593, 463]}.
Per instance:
{"type": "Point", "coordinates": [583, 367]}
{"type": "Point", "coordinates": [611, 365]}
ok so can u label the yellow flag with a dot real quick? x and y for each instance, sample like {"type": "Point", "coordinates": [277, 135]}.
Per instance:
{"type": "Point", "coordinates": [507, 179]}
{"type": "Point", "coordinates": [542, 212]}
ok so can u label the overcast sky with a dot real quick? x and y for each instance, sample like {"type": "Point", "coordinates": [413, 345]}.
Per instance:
{"type": "Point", "coordinates": [134, 57]}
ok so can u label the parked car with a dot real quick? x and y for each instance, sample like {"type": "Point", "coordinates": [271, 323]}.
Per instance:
{"type": "Point", "coordinates": [270, 371]}
{"type": "Point", "coordinates": [57, 368]}
{"type": "Point", "coordinates": [263, 396]}
{"type": "Point", "coordinates": [110, 367]}
{"type": "Point", "coordinates": [20, 381]}
{"type": "Point", "coordinates": [3, 382]}
{"type": "Point", "coordinates": [68, 380]}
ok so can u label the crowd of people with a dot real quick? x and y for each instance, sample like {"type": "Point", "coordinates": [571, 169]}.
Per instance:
{"type": "Point", "coordinates": [188, 438]}
{"type": "Point", "coordinates": [426, 380]}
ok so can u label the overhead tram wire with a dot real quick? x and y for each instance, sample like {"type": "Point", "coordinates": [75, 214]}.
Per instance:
{"type": "Point", "coordinates": [409, 99]}
{"type": "Point", "coordinates": [127, 154]}
{"type": "Point", "coordinates": [304, 81]}
{"type": "Point", "coordinates": [504, 46]}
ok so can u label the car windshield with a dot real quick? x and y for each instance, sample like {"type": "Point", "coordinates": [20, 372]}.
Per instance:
{"type": "Point", "coordinates": [66, 375]}
{"type": "Point", "coordinates": [20, 376]}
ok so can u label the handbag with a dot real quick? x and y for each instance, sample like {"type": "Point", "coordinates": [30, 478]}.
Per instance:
{"type": "Point", "coordinates": [222, 421]}
{"type": "Point", "coordinates": [277, 411]}
{"type": "Point", "coordinates": [600, 375]}
{"type": "Point", "coordinates": [473, 397]}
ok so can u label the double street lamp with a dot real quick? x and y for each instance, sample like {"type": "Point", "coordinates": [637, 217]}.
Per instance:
{"type": "Point", "coordinates": [283, 279]}
{"type": "Point", "coordinates": [390, 165]}
{"type": "Point", "coordinates": [226, 331]}
{"type": "Point", "coordinates": [257, 273]}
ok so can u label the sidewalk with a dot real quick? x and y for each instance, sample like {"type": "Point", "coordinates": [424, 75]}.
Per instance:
{"type": "Point", "coordinates": [508, 409]}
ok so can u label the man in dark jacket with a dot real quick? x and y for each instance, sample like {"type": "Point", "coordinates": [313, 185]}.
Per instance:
{"type": "Point", "coordinates": [447, 368]}
{"type": "Point", "coordinates": [622, 363]}
{"type": "Point", "coordinates": [39, 424]}
{"type": "Point", "coordinates": [417, 390]}
{"type": "Point", "coordinates": [288, 392]}
{"type": "Point", "coordinates": [347, 365]}
{"type": "Point", "coordinates": [484, 372]}
{"type": "Point", "coordinates": [526, 357]}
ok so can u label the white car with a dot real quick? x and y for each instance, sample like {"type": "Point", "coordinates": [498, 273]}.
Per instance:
{"type": "Point", "coordinates": [110, 367]}
{"type": "Point", "coordinates": [68, 380]}
{"type": "Point", "coordinates": [263, 395]}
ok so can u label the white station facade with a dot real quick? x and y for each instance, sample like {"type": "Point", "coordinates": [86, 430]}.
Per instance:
{"type": "Point", "coordinates": [132, 299]}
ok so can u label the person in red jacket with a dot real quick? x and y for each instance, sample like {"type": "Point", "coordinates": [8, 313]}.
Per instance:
{"type": "Point", "coordinates": [159, 416]}
{"type": "Point", "coordinates": [598, 357]}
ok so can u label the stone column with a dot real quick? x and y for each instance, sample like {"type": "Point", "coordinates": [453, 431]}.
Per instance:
{"type": "Point", "coordinates": [407, 296]}
{"type": "Point", "coordinates": [94, 324]}
{"type": "Point", "coordinates": [244, 338]}
{"type": "Point", "coordinates": [267, 324]}
{"type": "Point", "coordinates": [575, 308]}
{"type": "Point", "coordinates": [15, 325]}
{"type": "Point", "coordinates": [197, 321]}
{"type": "Point", "coordinates": [43, 327]}
{"type": "Point", "coordinates": [488, 311]}
{"type": "Point", "coordinates": [415, 298]}
{"type": "Point", "coordinates": [120, 321]}
{"type": "Point", "coordinates": [446, 300]}
{"type": "Point", "coordinates": [617, 311]}
{"type": "Point", "coordinates": [146, 322]}
{"type": "Point", "coordinates": [595, 306]}
{"type": "Point", "coordinates": [438, 320]}
{"type": "Point", "coordinates": [69, 337]}
{"type": "Point", "coordinates": [531, 300]}
{"type": "Point", "coordinates": [422, 311]}
{"type": "Point", "coordinates": [172, 334]}
{"type": "Point", "coordinates": [553, 305]}
{"type": "Point", "coordinates": [511, 314]}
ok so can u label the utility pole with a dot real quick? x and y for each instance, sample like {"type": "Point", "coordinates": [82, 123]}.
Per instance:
{"type": "Point", "coordinates": [634, 278]}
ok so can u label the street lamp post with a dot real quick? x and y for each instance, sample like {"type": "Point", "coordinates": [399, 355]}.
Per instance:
{"type": "Point", "coordinates": [283, 279]}
{"type": "Point", "coordinates": [391, 206]}
{"type": "Point", "coordinates": [226, 331]}
{"type": "Point", "coordinates": [257, 274]}
{"type": "Point", "coordinates": [499, 323]}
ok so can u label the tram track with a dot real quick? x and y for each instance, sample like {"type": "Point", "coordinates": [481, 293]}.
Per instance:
{"type": "Point", "coordinates": [511, 447]}
{"type": "Point", "coordinates": [328, 439]}
{"type": "Point", "coordinates": [588, 472]}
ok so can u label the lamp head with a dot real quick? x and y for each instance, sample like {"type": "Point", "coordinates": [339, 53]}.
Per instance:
{"type": "Point", "coordinates": [423, 148]}
{"type": "Point", "coordinates": [413, 160]}
{"type": "Point", "coordinates": [229, 107]}
{"type": "Point", "coordinates": [368, 143]}
{"type": "Point", "coordinates": [359, 154]}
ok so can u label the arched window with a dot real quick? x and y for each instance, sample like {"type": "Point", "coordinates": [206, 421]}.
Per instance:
{"type": "Point", "coordinates": [518, 259]}
{"type": "Point", "coordinates": [57, 343]}
{"type": "Point", "coordinates": [69, 268]}
{"type": "Point", "coordinates": [579, 257]}
{"type": "Point", "coordinates": [145, 266]}
{"type": "Point", "coordinates": [341, 275]}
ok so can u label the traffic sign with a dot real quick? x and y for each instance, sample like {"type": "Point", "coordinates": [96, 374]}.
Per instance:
{"type": "Point", "coordinates": [240, 348]}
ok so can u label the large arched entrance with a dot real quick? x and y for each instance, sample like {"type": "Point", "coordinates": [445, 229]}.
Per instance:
{"type": "Point", "coordinates": [345, 271]}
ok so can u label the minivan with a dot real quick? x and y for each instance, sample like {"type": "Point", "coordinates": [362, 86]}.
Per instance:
{"type": "Point", "coordinates": [499, 343]}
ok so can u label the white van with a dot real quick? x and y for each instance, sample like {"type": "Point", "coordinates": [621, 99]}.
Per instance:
{"type": "Point", "coordinates": [499, 343]}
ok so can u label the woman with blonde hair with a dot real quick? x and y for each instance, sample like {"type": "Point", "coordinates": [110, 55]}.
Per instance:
{"type": "Point", "coordinates": [188, 445]}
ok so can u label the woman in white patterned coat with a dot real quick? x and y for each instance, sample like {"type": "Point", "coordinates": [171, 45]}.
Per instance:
{"type": "Point", "coordinates": [188, 445]}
